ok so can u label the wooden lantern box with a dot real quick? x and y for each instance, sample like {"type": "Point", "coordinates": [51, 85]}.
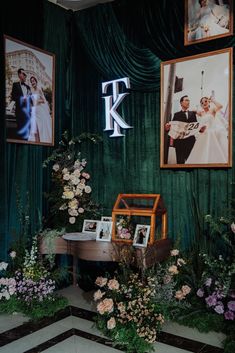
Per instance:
{"type": "Point", "coordinates": [141, 205]}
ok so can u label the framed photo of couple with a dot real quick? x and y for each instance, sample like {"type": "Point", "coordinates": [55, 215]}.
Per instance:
{"type": "Point", "coordinates": [141, 236]}
{"type": "Point", "coordinates": [29, 93]}
{"type": "Point", "coordinates": [196, 111]}
{"type": "Point", "coordinates": [207, 19]}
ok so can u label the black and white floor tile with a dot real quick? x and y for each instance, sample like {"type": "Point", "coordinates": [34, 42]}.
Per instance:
{"type": "Point", "coordinates": [72, 330]}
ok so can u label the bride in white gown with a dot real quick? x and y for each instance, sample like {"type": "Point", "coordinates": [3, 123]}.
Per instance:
{"type": "Point", "coordinates": [211, 145]}
{"type": "Point", "coordinates": [210, 20]}
{"type": "Point", "coordinates": [41, 121]}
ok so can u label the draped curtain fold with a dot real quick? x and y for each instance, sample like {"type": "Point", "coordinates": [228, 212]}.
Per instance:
{"type": "Point", "coordinates": [112, 53]}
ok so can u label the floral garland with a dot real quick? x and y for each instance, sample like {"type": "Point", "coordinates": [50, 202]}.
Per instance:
{"type": "Point", "coordinates": [74, 180]}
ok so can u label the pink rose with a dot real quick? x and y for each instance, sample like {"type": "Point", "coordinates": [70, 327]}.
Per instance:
{"type": "Point", "coordinates": [101, 281]}
{"type": "Point", "coordinates": [113, 284]}
{"type": "Point", "coordinates": [106, 306]}
{"type": "Point", "coordinates": [186, 289]}
{"type": "Point", "coordinates": [111, 323]}
{"type": "Point", "coordinates": [179, 295]}
{"type": "Point", "coordinates": [173, 270]}
{"type": "Point", "coordinates": [98, 295]}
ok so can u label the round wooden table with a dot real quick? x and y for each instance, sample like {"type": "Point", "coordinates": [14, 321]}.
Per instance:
{"type": "Point", "coordinates": [92, 250]}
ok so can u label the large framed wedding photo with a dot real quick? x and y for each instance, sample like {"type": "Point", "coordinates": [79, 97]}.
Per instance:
{"type": "Point", "coordinates": [207, 19]}
{"type": "Point", "coordinates": [29, 93]}
{"type": "Point", "coordinates": [196, 111]}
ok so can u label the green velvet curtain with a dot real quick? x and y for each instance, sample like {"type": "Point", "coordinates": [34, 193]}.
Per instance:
{"type": "Point", "coordinates": [20, 175]}
{"type": "Point", "coordinates": [123, 38]}
{"type": "Point", "coordinates": [115, 47]}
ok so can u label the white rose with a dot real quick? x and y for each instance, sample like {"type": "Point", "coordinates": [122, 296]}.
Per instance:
{"type": "Point", "coordinates": [77, 173]}
{"type": "Point", "coordinates": [68, 195]}
{"type": "Point", "coordinates": [74, 180]}
{"type": "Point", "coordinates": [78, 192]}
{"type": "Point", "coordinates": [3, 266]}
{"type": "Point", "coordinates": [87, 189]}
{"type": "Point", "coordinates": [73, 203]}
{"type": "Point", "coordinates": [65, 171]}
{"type": "Point", "coordinates": [81, 210]}
{"type": "Point", "coordinates": [72, 220]}
{"type": "Point", "coordinates": [72, 212]}
{"type": "Point", "coordinates": [13, 254]}
{"type": "Point", "coordinates": [56, 167]}
{"type": "Point", "coordinates": [66, 176]}
{"type": "Point", "coordinates": [174, 252]}
{"type": "Point", "coordinates": [233, 227]}
{"type": "Point", "coordinates": [77, 163]}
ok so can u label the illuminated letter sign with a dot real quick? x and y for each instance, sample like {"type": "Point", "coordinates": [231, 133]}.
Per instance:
{"type": "Point", "coordinates": [113, 120]}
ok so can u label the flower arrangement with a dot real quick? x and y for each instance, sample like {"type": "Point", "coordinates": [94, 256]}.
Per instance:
{"type": "Point", "coordinates": [29, 288]}
{"type": "Point", "coordinates": [132, 306]}
{"type": "Point", "coordinates": [70, 197]}
{"type": "Point", "coordinates": [7, 285]}
{"type": "Point", "coordinates": [216, 290]}
{"type": "Point", "coordinates": [124, 228]}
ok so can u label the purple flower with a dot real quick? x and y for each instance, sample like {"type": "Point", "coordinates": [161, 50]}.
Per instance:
{"type": "Point", "coordinates": [211, 300]}
{"type": "Point", "coordinates": [219, 309]}
{"type": "Point", "coordinates": [229, 315]}
{"type": "Point", "coordinates": [200, 293]}
{"type": "Point", "coordinates": [208, 282]}
{"type": "Point", "coordinates": [231, 305]}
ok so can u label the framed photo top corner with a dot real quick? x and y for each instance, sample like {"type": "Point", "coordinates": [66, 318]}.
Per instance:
{"type": "Point", "coordinates": [196, 111]}
{"type": "Point", "coordinates": [207, 19]}
{"type": "Point", "coordinates": [29, 93]}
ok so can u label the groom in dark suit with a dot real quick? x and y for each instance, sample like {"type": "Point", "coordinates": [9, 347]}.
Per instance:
{"type": "Point", "coordinates": [184, 146]}
{"type": "Point", "coordinates": [21, 94]}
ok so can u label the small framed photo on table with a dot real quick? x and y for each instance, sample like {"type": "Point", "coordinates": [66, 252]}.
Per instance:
{"type": "Point", "coordinates": [104, 231]}
{"type": "Point", "coordinates": [90, 226]}
{"type": "Point", "coordinates": [141, 235]}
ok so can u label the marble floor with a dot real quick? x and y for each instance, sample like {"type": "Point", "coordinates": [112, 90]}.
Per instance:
{"type": "Point", "coordinates": [72, 331]}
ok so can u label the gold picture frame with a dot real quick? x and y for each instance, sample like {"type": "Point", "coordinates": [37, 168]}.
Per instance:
{"type": "Point", "coordinates": [201, 137]}
{"type": "Point", "coordinates": [29, 93]}
{"type": "Point", "coordinates": [207, 19]}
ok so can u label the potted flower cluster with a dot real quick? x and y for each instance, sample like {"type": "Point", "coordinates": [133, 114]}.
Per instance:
{"type": "Point", "coordinates": [28, 288]}
{"type": "Point", "coordinates": [133, 305]}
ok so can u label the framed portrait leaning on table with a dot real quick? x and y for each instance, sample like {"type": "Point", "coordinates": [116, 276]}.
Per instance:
{"type": "Point", "coordinates": [104, 231]}
{"type": "Point", "coordinates": [90, 226]}
{"type": "Point", "coordinates": [141, 236]}
{"type": "Point", "coordinates": [196, 111]}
